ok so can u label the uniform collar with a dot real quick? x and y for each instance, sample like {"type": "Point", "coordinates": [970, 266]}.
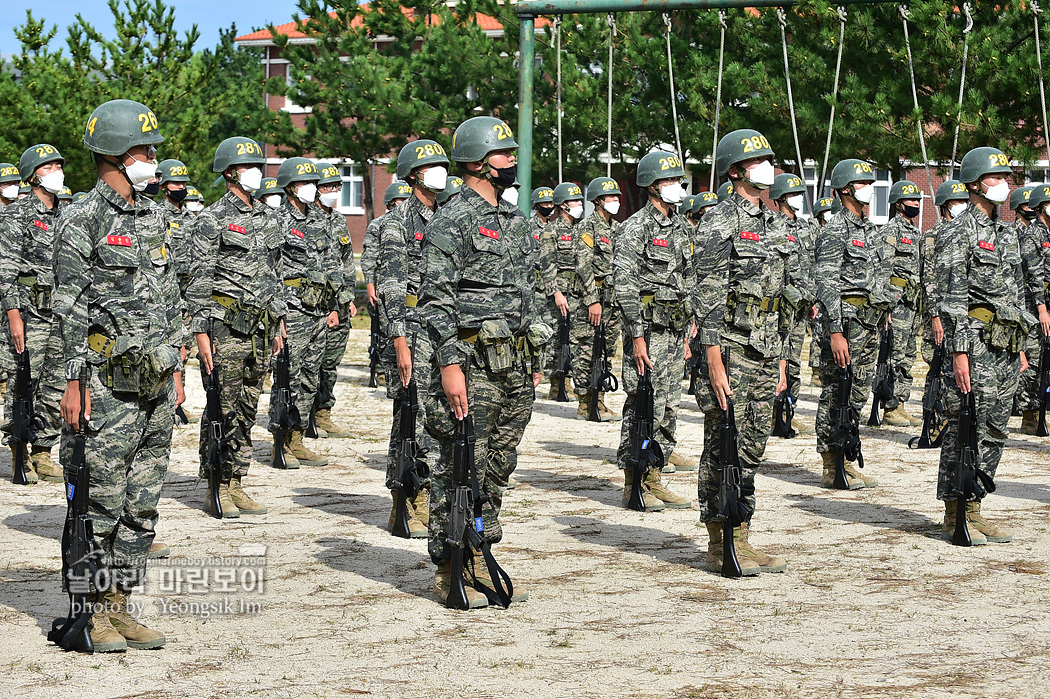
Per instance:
{"type": "Point", "coordinates": [142, 202]}
{"type": "Point", "coordinates": [420, 208]}
{"type": "Point", "coordinates": [656, 215]}
{"type": "Point", "coordinates": [980, 217]}
{"type": "Point", "coordinates": [853, 218]}
{"type": "Point", "coordinates": [290, 207]}
{"type": "Point", "coordinates": [233, 200]}
{"type": "Point", "coordinates": [746, 206]}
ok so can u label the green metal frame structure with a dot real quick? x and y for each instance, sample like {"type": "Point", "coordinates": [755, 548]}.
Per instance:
{"type": "Point", "coordinates": [528, 10]}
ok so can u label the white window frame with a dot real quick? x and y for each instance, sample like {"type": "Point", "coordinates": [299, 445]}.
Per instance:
{"type": "Point", "coordinates": [290, 106]}
{"type": "Point", "coordinates": [883, 182]}
{"type": "Point", "coordinates": [351, 181]}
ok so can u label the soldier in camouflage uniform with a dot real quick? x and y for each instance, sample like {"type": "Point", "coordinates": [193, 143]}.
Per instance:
{"type": "Point", "coordinates": [236, 306]}
{"type": "Point", "coordinates": [120, 323]}
{"type": "Point", "coordinates": [1035, 265]}
{"type": "Point", "coordinates": [853, 263]}
{"type": "Point", "coordinates": [27, 230]}
{"type": "Point", "coordinates": [452, 189]}
{"type": "Point", "coordinates": [724, 191]}
{"type": "Point", "coordinates": [423, 164]}
{"type": "Point", "coordinates": [905, 282]}
{"type": "Point", "coordinates": [173, 178]}
{"type": "Point", "coordinates": [9, 181]}
{"type": "Point", "coordinates": [312, 277]}
{"type": "Point", "coordinates": [655, 279]}
{"type": "Point", "coordinates": [543, 210]}
{"type": "Point", "coordinates": [477, 305]}
{"type": "Point", "coordinates": [748, 268]}
{"type": "Point", "coordinates": [194, 203]}
{"type": "Point", "coordinates": [981, 302]}
{"type": "Point", "coordinates": [269, 193]}
{"type": "Point", "coordinates": [821, 216]}
{"type": "Point", "coordinates": [395, 194]}
{"type": "Point", "coordinates": [329, 189]}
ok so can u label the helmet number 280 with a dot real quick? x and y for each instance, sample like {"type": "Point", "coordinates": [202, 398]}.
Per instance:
{"type": "Point", "coordinates": [754, 143]}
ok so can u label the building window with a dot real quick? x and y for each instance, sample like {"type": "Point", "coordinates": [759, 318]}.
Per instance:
{"type": "Point", "coordinates": [290, 106]}
{"type": "Point", "coordinates": [1039, 176]}
{"type": "Point", "coordinates": [879, 210]}
{"type": "Point", "coordinates": [352, 198]}
{"type": "Point", "coordinates": [809, 174]}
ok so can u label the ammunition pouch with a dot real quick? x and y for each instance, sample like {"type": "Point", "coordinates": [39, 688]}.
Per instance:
{"type": "Point", "coordinates": [870, 315]}
{"type": "Point", "coordinates": [130, 369]}
{"type": "Point", "coordinates": [314, 292]}
{"type": "Point", "coordinates": [537, 337]}
{"type": "Point", "coordinates": [665, 309]}
{"type": "Point", "coordinates": [496, 347]}
{"type": "Point", "coordinates": [746, 306]}
{"type": "Point", "coordinates": [911, 293]}
{"type": "Point", "coordinates": [1004, 328]}
{"type": "Point", "coordinates": [39, 292]}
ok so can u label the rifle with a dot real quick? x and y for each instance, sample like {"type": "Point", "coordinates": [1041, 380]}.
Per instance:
{"type": "Point", "coordinates": [969, 480]}
{"type": "Point", "coordinates": [219, 427]}
{"type": "Point", "coordinates": [181, 417]}
{"type": "Point", "coordinates": [81, 556]}
{"type": "Point", "coordinates": [320, 398]}
{"type": "Point", "coordinates": [563, 367]}
{"type": "Point", "coordinates": [21, 418]}
{"type": "Point", "coordinates": [931, 405]}
{"type": "Point", "coordinates": [373, 347]}
{"type": "Point", "coordinates": [845, 435]}
{"type": "Point", "coordinates": [284, 415]}
{"type": "Point", "coordinates": [412, 471]}
{"type": "Point", "coordinates": [882, 385]}
{"type": "Point", "coordinates": [732, 509]}
{"type": "Point", "coordinates": [1044, 387]}
{"type": "Point", "coordinates": [602, 379]}
{"type": "Point", "coordinates": [784, 413]}
{"type": "Point", "coordinates": [693, 369]}
{"type": "Point", "coordinates": [647, 452]}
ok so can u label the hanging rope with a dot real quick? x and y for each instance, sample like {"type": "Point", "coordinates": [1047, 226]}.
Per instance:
{"type": "Point", "coordinates": [557, 43]}
{"type": "Point", "coordinates": [718, 93]}
{"type": "Point", "coordinates": [905, 13]}
{"type": "Point", "coordinates": [834, 99]}
{"type": "Point", "coordinates": [608, 141]}
{"type": "Point", "coordinates": [670, 81]}
{"type": "Point", "coordinates": [782, 20]}
{"type": "Point", "coordinates": [1036, 11]}
{"type": "Point", "coordinates": [962, 80]}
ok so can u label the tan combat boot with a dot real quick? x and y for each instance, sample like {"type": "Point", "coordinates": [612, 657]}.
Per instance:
{"type": "Point", "coordinates": [229, 510]}
{"type": "Point", "coordinates": [1029, 422]}
{"type": "Point", "coordinates": [158, 549]}
{"type": "Point", "coordinates": [765, 562]}
{"type": "Point", "coordinates": [104, 637]}
{"type": "Point", "coordinates": [421, 506]}
{"type": "Point", "coordinates": [31, 476]}
{"type": "Point", "coordinates": [680, 463]}
{"type": "Point", "coordinates": [137, 636]}
{"type": "Point", "coordinates": [652, 504]}
{"type": "Point", "coordinates": [802, 426]}
{"type": "Point", "coordinates": [323, 418]}
{"type": "Point", "coordinates": [45, 468]}
{"type": "Point", "coordinates": [583, 408]}
{"type": "Point", "coordinates": [662, 493]}
{"type": "Point", "coordinates": [511, 483]}
{"type": "Point", "coordinates": [289, 458]}
{"type": "Point", "coordinates": [267, 383]}
{"type": "Point", "coordinates": [481, 572]}
{"type": "Point", "coordinates": [814, 378]}
{"type": "Point", "coordinates": [416, 529]}
{"type": "Point", "coordinates": [443, 584]}
{"type": "Point", "coordinates": [604, 413]}
{"type": "Point", "coordinates": [713, 560]}
{"type": "Point", "coordinates": [896, 417]}
{"type": "Point", "coordinates": [555, 389]}
{"type": "Point", "coordinates": [302, 453]}
{"type": "Point", "coordinates": [948, 525]}
{"type": "Point", "coordinates": [828, 479]}
{"type": "Point", "coordinates": [854, 474]}
{"type": "Point", "coordinates": [241, 501]}
{"type": "Point", "coordinates": [994, 534]}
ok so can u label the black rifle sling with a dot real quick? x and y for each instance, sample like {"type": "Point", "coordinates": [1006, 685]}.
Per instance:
{"type": "Point", "coordinates": [504, 588]}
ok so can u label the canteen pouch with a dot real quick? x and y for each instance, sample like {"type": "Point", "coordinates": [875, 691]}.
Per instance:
{"type": "Point", "coordinates": [314, 290]}
{"type": "Point", "coordinates": [496, 345]}
{"type": "Point", "coordinates": [161, 362]}
{"type": "Point", "coordinates": [537, 337]}
{"type": "Point", "coordinates": [122, 372]}
{"type": "Point", "coordinates": [744, 309]}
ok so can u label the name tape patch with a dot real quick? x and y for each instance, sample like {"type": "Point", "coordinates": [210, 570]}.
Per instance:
{"type": "Point", "coordinates": [488, 232]}
{"type": "Point", "coordinates": [118, 240]}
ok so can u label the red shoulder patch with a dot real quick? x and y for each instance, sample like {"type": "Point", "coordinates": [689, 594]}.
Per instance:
{"type": "Point", "coordinates": [298, 233]}
{"type": "Point", "coordinates": [791, 238]}
{"type": "Point", "coordinates": [660, 242]}
{"type": "Point", "coordinates": [536, 236]}
{"type": "Point", "coordinates": [40, 224]}
{"type": "Point", "coordinates": [565, 237]}
{"type": "Point", "coordinates": [118, 240]}
{"type": "Point", "coordinates": [603, 239]}
{"type": "Point", "coordinates": [1046, 244]}
{"type": "Point", "coordinates": [985, 245]}
{"type": "Point", "coordinates": [858, 243]}
{"type": "Point", "coordinates": [906, 241]}
{"type": "Point", "coordinates": [748, 235]}
{"type": "Point", "coordinates": [488, 232]}
{"type": "Point", "coordinates": [419, 236]}
{"type": "Point", "coordinates": [237, 229]}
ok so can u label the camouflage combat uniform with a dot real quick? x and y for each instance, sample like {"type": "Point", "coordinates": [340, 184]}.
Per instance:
{"type": "Point", "coordinates": [336, 338]}
{"type": "Point", "coordinates": [235, 294]}
{"type": "Point", "coordinates": [978, 268]}
{"type": "Point", "coordinates": [543, 305]}
{"type": "Point", "coordinates": [369, 264]}
{"type": "Point", "coordinates": [906, 283]}
{"type": "Point", "coordinates": [478, 262]}
{"type": "Point", "coordinates": [801, 236]}
{"type": "Point", "coordinates": [746, 268]}
{"type": "Point", "coordinates": [178, 223]}
{"type": "Point", "coordinates": [116, 299]}
{"type": "Point", "coordinates": [604, 236]}
{"type": "Point", "coordinates": [1035, 265]}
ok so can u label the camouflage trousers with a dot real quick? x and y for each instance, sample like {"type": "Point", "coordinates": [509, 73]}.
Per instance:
{"type": "Point", "coordinates": [335, 340]}
{"type": "Point", "coordinates": [554, 345]}
{"type": "Point", "coordinates": [46, 369]}
{"type": "Point", "coordinates": [905, 327]}
{"type": "Point", "coordinates": [1029, 395]}
{"type": "Point", "coordinates": [816, 341]}
{"type": "Point", "coordinates": [583, 335]}
{"type": "Point", "coordinates": [753, 379]}
{"type": "Point", "coordinates": [242, 364]}
{"type": "Point", "coordinates": [864, 354]}
{"type": "Point", "coordinates": [667, 353]}
{"type": "Point", "coordinates": [305, 350]}
{"type": "Point", "coordinates": [422, 370]}
{"type": "Point", "coordinates": [610, 315]}
{"type": "Point", "coordinates": [993, 379]}
{"type": "Point", "coordinates": [793, 355]}
{"type": "Point", "coordinates": [128, 445]}
{"type": "Point", "coordinates": [501, 405]}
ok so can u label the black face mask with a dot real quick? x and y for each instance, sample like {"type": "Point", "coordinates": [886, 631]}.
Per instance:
{"type": "Point", "coordinates": [503, 176]}
{"type": "Point", "coordinates": [177, 195]}
{"type": "Point", "coordinates": [545, 209]}
{"type": "Point", "coordinates": [910, 211]}
{"type": "Point", "coordinates": [1025, 213]}
{"type": "Point", "coordinates": [152, 189]}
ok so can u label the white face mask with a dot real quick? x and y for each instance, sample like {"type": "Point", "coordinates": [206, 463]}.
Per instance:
{"type": "Point", "coordinates": [797, 202]}
{"type": "Point", "coordinates": [272, 200]}
{"type": "Point", "coordinates": [194, 206]}
{"type": "Point", "coordinates": [139, 173]}
{"type": "Point", "coordinates": [957, 209]}
{"type": "Point", "coordinates": [672, 193]}
{"type": "Point", "coordinates": [1046, 208]}
{"type": "Point", "coordinates": [576, 211]}
{"type": "Point", "coordinates": [328, 198]}
{"type": "Point", "coordinates": [436, 178]}
{"type": "Point", "coordinates": [509, 195]}
{"type": "Point", "coordinates": [998, 194]}
{"type": "Point", "coordinates": [613, 207]}
{"type": "Point", "coordinates": [250, 179]}
{"type": "Point", "coordinates": [10, 192]}
{"type": "Point", "coordinates": [865, 194]}
{"type": "Point", "coordinates": [762, 175]}
{"type": "Point", "coordinates": [53, 181]}
{"type": "Point", "coordinates": [306, 192]}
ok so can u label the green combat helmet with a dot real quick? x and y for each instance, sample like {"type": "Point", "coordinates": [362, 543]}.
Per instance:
{"type": "Point", "coordinates": [194, 194]}
{"type": "Point", "coordinates": [738, 146]}
{"type": "Point", "coordinates": [1020, 196]}
{"type": "Point", "coordinates": [237, 150]}
{"type": "Point", "coordinates": [9, 174]}
{"type": "Point", "coordinates": [453, 186]}
{"type": "Point", "coordinates": [397, 190]}
{"type": "Point", "coordinates": [297, 170]}
{"type": "Point", "coordinates": [725, 191]}
{"type": "Point", "coordinates": [478, 136]}
{"type": "Point", "coordinates": [704, 201]}
{"type": "Point", "coordinates": [784, 184]}
{"type": "Point", "coordinates": [904, 189]}
{"type": "Point", "coordinates": [658, 165]}
{"type": "Point", "coordinates": [66, 194]}
{"type": "Point", "coordinates": [686, 207]}
{"type": "Point", "coordinates": [419, 154]}
{"type": "Point", "coordinates": [951, 190]}
{"type": "Point", "coordinates": [851, 170]}
{"type": "Point", "coordinates": [34, 157]}
{"type": "Point", "coordinates": [78, 196]}
{"type": "Point", "coordinates": [600, 187]}
{"type": "Point", "coordinates": [117, 126]}
{"type": "Point", "coordinates": [1040, 195]}
{"type": "Point", "coordinates": [329, 175]}
{"type": "Point", "coordinates": [983, 161]}
{"type": "Point", "coordinates": [172, 170]}
{"type": "Point", "coordinates": [24, 190]}
{"type": "Point", "coordinates": [567, 191]}
{"type": "Point", "coordinates": [836, 206]}
{"type": "Point", "coordinates": [542, 195]}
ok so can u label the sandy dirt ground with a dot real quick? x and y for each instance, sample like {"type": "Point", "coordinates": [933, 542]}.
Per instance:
{"type": "Point", "coordinates": [874, 602]}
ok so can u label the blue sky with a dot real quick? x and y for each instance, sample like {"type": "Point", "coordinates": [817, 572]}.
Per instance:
{"type": "Point", "coordinates": [209, 15]}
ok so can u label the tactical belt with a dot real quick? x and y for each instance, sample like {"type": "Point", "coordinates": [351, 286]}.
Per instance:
{"type": "Point", "coordinates": [647, 299]}
{"type": "Point", "coordinates": [982, 313]}
{"type": "Point", "coordinates": [770, 304]}
{"type": "Point", "coordinates": [224, 300]}
{"type": "Point", "coordinates": [599, 283]}
{"type": "Point", "coordinates": [411, 300]}
{"type": "Point", "coordinates": [470, 336]}
{"type": "Point", "coordinates": [101, 344]}
{"type": "Point", "coordinates": [857, 301]}
{"type": "Point", "coordinates": [899, 281]}
{"type": "Point", "coordinates": [296, 282]}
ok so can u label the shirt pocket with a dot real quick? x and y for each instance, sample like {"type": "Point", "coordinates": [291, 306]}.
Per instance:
{"type": "Point", "coordinates": [486, 257]}
{"type": "Point", "coordinates": [119, 259]}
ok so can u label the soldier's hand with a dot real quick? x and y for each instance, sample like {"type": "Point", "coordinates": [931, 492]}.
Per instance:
{"type": "Point", "coordinates": [537, 378]}
{"type": "Point", "coordinates": [353, 309]}
{"type": "Point", "coordinates": [716, 372]}
{"type": "Point", "coordinates": [404, 360]}
{"type": "Point", "coordinates": [204, 351]}
{"type": "Point", "coordinates": [180, 391]}
{"type": "Point", "coordinates": [688, 350]}
{"type": "Point", "coordinates": [333, 319]}
{"type": "Point", "coordinates": [782, 382]}
{"type": "Point", "coordinates": [840, 350]}
{"type": "Point", "coordinates": [813, 312]}
{"type": "Point", "coordinates": [594, 314]}
{"type": "Point", "coordinates": [278, 344]}
{"type": "Point", "coordinates": [938, 330]}
{"type": "Point", "coordinates": [1024, 362]}
{"type": "Point", "coordinates": [561, 303]}
{"type": "Point", "coordinates": [961, 366]}
{"type": "Point", "coordinates": [641, 356]}
{"type": "Point", "coordinates": [183, 353]}
{"type": "Point", "coordinates": [70, 404]}
{"type": "Point", "coordinates": [455, 387]}
{"type": "Point", "coordinates": [373, 298]}
{"type": "Point", "coordinates": [14, 321]}
{"type": "Point", "coordinates": [1044, 320]}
